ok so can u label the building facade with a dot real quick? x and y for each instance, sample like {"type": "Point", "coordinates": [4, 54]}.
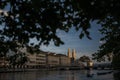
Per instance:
{"type": "Point", "coordinates": [31, 63]}
{"type": "Point", "coordinates": [36, 60]}
{"type": "Point", "coordinates": [3, 62]}
{"type": "Point", "coordinates": [63, 60]}
{"type": "Point", "coordinates": [41, 59]}
{"type": "Point", "coordinates": [52, 60]}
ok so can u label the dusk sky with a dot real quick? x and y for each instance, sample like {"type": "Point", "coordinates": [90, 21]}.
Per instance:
{"type": "Point", "coordinates": [71, 39]}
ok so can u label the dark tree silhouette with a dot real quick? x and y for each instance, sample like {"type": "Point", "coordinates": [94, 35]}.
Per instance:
{"type": "Point", "coordinates": [84, 58]}
{"type": "Point", "coordinates": [21, 20]}
{"type": "Point", "coordinates": [18, 59]}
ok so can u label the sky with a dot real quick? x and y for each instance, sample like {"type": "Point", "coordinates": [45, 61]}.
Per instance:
{"type": "Point", "coordinates": [71, 40]}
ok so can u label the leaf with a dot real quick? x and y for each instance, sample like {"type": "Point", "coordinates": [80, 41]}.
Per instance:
{"type": "Point", "coordinates": [81, 35]}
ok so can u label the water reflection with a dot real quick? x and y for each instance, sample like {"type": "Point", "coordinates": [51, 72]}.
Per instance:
{"type": "Point", "coordinates": [57, 75]}
{"type": "Point", "coordinates": [71, 75]}
{"type": "Point", "coordinates": [90, 73]}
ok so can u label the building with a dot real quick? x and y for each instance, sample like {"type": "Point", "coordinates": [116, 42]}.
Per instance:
{"type": "Point", "coordinates": [52, 60]}
{"type": "Point", "coordinates": [40, 59]}
{"type": "Point", "coordinates": [31, 61]}
{"type": "Point", "coordinates": [63, 60]}
{"type": "Point", "coordinates": [69, 53]}
{"type": "Point", "coordinates": [3, 62]}
{"type": "Point", "coordinates": [36, 59]}
{"type": "Point", "coordinates": [72, 56]}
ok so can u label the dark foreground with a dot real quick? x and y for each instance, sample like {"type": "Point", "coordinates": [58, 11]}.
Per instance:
{"type": "Point", "coordinates": [62, 75]}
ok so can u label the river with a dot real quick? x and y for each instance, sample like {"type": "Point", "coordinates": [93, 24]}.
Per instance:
{"type": "Point", "coordinates": [57, 75]}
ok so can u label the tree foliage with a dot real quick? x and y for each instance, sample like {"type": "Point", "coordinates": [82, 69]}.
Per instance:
{"type": "Point", "coordinates": [24, 19]}
{"type": "Point", "coordinates": [84, 58]}
{"type": "Point", "coordinates": [17, 59]}
{"type": "Point", "coordinates": [111, 32]}
{"type": "Point", "coordinates": [116, 62]}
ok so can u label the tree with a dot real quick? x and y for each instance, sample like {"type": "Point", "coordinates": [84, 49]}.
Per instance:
{"type": "Point", "coordinates": [18, 59]}
{"type": "Point", "coordinates": [111, 40]}
{"type": "Point", "coordinates": [115, 62]}
{"type": "Point", "coordinates": [84, 58]}
{"type": "Point", "coordinates": [40, 19]}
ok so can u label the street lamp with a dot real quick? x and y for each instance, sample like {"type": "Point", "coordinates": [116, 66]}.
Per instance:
{"type": "Point", "coordinates": [89, 64]}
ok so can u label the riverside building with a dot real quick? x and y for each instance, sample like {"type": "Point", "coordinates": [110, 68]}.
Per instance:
{"type": "Point", "coordinates": [3, 62]}
{"type": "Point", "coordinates": [63, 60]}
{"type": "Point", "coordinates": [36, 60]}
{"type": "Point", "coordinates": [39, 59]}
{"type": "Point", "coordinates": [47, 59]}
{"type": "Point", "coordinates": [52, 60]}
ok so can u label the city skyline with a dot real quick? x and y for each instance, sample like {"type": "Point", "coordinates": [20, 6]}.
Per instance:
{"type": "Point", "coordinates": [71, 40]}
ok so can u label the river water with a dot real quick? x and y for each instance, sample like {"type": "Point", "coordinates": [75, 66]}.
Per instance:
{"type": "Point", "coordinates": [57, 75]}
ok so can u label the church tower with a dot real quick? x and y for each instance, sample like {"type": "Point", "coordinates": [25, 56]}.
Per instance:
{"type": "Point", "coordinates": [69, 53]}
{"type": "Point", "coordinates": [74, 54]}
